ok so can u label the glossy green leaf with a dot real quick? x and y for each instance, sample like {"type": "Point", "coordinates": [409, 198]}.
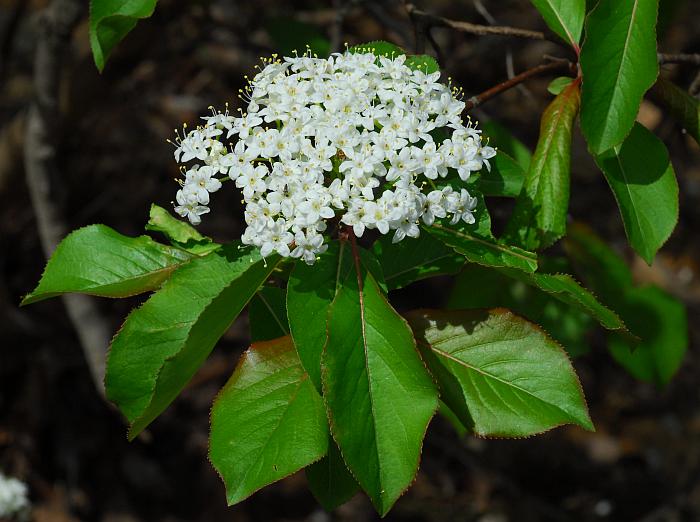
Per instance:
{"type": "Point", "coordinates": [180, 234]}
{"type": "Point", "coordinates": [539, 217]}
{"type": "Point", "coordinates": [111, 21]}
{"type": "Point", "coordinates": [267, 314]}
{"type": "Point", "coordinates": [505, 178]}
{"type": "Point", "coordinates": [162, 343]}
{"type": "Point", "coordinates": [682, 105]}
{"type": "Point", "coordinates": [422, 62]}
{"type": "Point", "coordinates": [557, 85]}
{"type": "Point", "coordinates": [483, 287]}
{"type": "Point", "coordinates": [640, 175]}
{"type": "Point", "coordinates": [97, 260]}
{"type": "Point", "coordinates": [330, 481]}
{"type": "Point", "coordinates": [500, 374]}
{"type": "Point", "coordinates": [378, 415]}
{"type": "Point", "coordinates": [564, 17]}
{"type": "Point", "coordinates": [619, 64]}
{"type": "Point", "coordinates": [310, 292]}
{"type": "Point", "coordinates": [661, 322]}
{"type": "Point", "coordinates": [483, 249]}
{"type": "Point", "coordinates": [414, 259]}
{"type": "Point", "coordinates": [267, 422]}
{"type": "Point", "coordinates": [501, 137]}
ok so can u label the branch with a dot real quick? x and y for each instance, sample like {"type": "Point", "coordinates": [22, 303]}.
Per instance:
{"type": "Point", "coordinates": [424, 22]}
{"type": "Point", "coordinates": [477, 100]}
{"type": "Point", "coordinates": [693, 59]}
{"type": "Point", "coordinates": [56, 23]}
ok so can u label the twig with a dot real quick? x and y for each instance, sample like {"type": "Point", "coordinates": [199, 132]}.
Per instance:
{"type": "Point", "coordinates": [693, 59]}
{"type": "Point", "coordinates": [425, 21]}
{"type": "Point", "coordinates": [694, 88]}
{"type": "Point", "coordinates": [8, 35]}
{"type": "Point", "coordinates": [56, 23]}
{"type": "Point", "coordinates": [477, 100]}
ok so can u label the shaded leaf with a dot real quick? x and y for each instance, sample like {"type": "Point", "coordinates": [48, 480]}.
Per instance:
{"type": "Point", "coordinates": [500, 374]}
{"type": "Point", "coordinates": [619, 64]}
{"type": "Point", "coordinates": [267, 314]}
{"type": "Point", "coordinates": [290, 35]}
{"type": "Point", "coordinates": [505, 179]}
{"type": "Point", "coordinates": [640, 175]}
{"type": "Point", "coordinates": [661, 322]}
{"type": "Point", "coordinates": [564, 17]}
{"type": "Point", "coordinates": [539, 217]}
{"type": "Point", "coordinates": [682, 105]}
{"type": "Point", "coordinates": [98, 260]}
{"type": "Point", "coordinates": [267, 422]}
{"type": "Point", "coordinates": [379, 416]}
{"type": "Point", "coordinates": [657, 319]}
{"type": "Point", "coordinates": [414, 258]}
{"type": "Point", "coordinates": [162, 343]}
{"type": "Point", "coordinates": [111, 21]}
{"type": "Point", "coordinates": [501, 137]}
{"type": "Point", "coordinates": [329, 479]}
{"type": "Point", "coordinates": [554, 301]}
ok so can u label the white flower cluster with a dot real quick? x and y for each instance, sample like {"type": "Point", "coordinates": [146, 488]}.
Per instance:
{"type": "Point", "coordinates": [13, 497]}
{"type": "Point", "coordinates": [362, 139]}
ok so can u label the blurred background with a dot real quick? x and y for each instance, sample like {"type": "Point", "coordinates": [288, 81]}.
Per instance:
{"type": "Point", "coordinates": [108, 160]}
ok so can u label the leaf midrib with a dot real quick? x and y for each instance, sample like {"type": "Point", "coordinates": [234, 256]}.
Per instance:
{"type": "Point", "coordinates": [487, 375]}
{"type": "Point", "coordinates": [623, 59]}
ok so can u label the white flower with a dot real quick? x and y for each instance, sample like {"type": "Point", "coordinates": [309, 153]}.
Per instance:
{"type": "Point", "coordinates": [365, 141]}
{"type": "Point", "coordinates": [13, 497]}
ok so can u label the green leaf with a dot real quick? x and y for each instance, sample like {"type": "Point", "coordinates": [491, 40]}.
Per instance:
{"type": "Point", "coordinates": [179, 233]}
{"type": "Point", "coordinates": [567, 290]}
{"type": "Point", "coordinates": [657, 320]}
{"type": "Point", "coordinates": [539, 217]}
{"type": "Point", "coordinates": [330, 481]}
{"type": "Point", "coordinates": [483, 287]}
{"type": "Point", "coordinates": [111, 21]}
{"type": "Point", "coordinates": [481, 249]}
{"type": "Point", "coordinates": [557, 85]}
{"type": "Point", "coordinates": [414, 259]}
{"type": "Point", "coordinates": [564, 17]}
{"type": "Point", "coordinates": [505, 178]}
{"type": "Point", "coordinates": [378, 48]}
{"type": "Point", "coordinates": [379, 396]}
{"type": "Point", "coordinates": [162, 344]}
{"type": "Point", "coordinates": [604, 271]}
{"type": "Point", "coordinates": [422, 62]}
{"type": "Point", "coordinates": [499, 136]}
{"type": "Point", "coordinates": [267, 314]}
{"type": "Point", "coordinates": [684, 107]}
{"type": "Point", "coordinates": [500, 374]}
{"type": "Point", "coordinates": [289, 35]}
{"type": "Point", "coordinates": [310, 292]}
{"type": "Point", "coordinates": [641, 177]}
{"type": "Point", "coordinates": [661, 322]}
{"type": "Point", "coordinates": [97, 260]}
{"type": "Point", "coordinates": [267, 422]}
{"type": "Point", "coordinates": [619, 64]}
